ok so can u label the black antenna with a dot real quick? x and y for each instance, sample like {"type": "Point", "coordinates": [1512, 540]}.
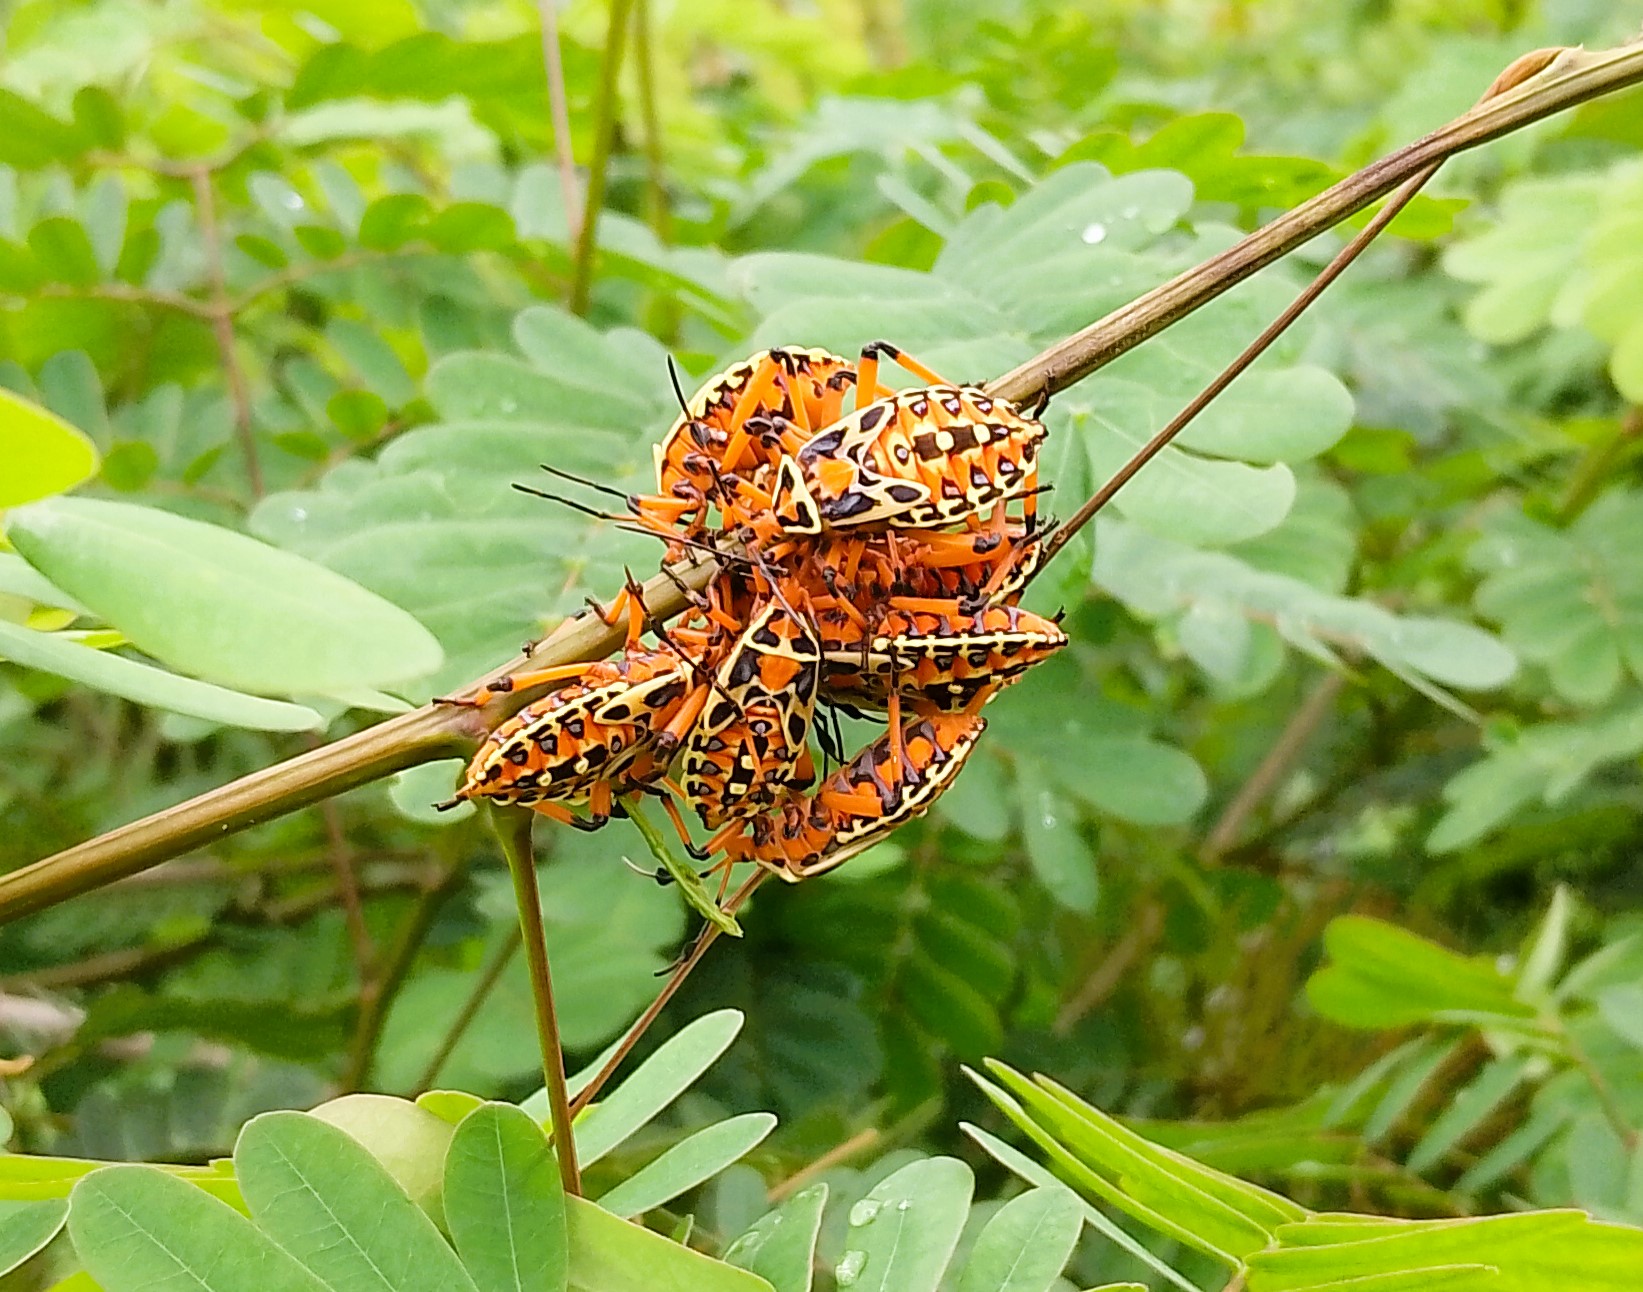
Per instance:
{"type": "Point", "coordinates": [678, 390]}
{"type": "Point", "coordinates": [584, 481]}
{"type": "Point", "coordinates": [568, 502]}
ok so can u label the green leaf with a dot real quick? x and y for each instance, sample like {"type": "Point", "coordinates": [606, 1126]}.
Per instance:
{"type": "Point", "coordinates": [327, 1201]}
{"type": "Point", "coordinates": [1034, 1174]}
{"type": "Point", "coordinates": [26, 1227]}
{"type": "Point", "coordinates": [505, 1203]}
{"type": "Point", "coordinates": [657, 1082]}
{"type": "Point", "coordinates": [781, 1244]}
{"type": "Point", "coordinates": [1061, 859]}
{"type": "Point", "coordinates": [464, 227]}
{"type": "Point", "coordinates": [1570, 599]}
{"type": "Point", "coordinates": [691, 1161]}
{"type": "Point", "coordinates": [143, 684]}
{"type": "Point", "coordinates": [1384, 976]}
{"type": "Point", "coordinates": [137, 1228]}
{"type": "Point", "coordinates": [608, 1254]}
{"type": "Point", "coordinates": [902, 1234]}
{"type": "Point", "coordinates": [31, 137]}
{"type": "Point", "coordinates": [218, 604]}
{"type": "Point", "coordinates": [43, 454]}
{"type": "Point", "coordinates": [1026, 1244]}
{"type": "Point", "coordinates": [393, 220]}
{"type": "Point", "coordinates": [63, 250]}
{"type": "Point", "coordinates": [1206, 1209]}
{"type": "Point", "coordinates": [408, 1141]}
{"type": "Point", "coordinates": [1157, 577]}
{"type": "Point", "coordinates": [1471, 1104]}
{"type": "Point", "coordinates": [1523, 1253]}
{"type": "Point", "coordinates": [1621, 1007]}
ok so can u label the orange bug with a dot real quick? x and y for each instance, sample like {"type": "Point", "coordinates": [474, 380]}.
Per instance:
{"type": "Point", "coordinates": [859, 804]}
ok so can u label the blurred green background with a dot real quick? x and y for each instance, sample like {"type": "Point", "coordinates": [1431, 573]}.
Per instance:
{"type": "Point", "coordinates": [1367, 642]}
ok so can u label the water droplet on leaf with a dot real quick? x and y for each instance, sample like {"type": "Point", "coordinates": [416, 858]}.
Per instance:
{"type": "Point", "coordinates": [849, 1268]}
{"type": "Point", "coordinates": [864, 1211]}
{"type": "Point", "coordinates": [1094, 233]}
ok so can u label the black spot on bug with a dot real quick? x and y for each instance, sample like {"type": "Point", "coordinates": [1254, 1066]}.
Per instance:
{"type": "Point", "coordinates": [851, 504]}
{"type": "Point", "coordinates": [905, 493]}
{"type": "Point", "coordinates": [872, 415]}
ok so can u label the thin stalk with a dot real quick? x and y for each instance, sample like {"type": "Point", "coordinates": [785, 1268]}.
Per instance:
{"type": "Point", "coordinates": [1597, 465]}
{"type": "Point", "coordinates": [1289, 745]}
{"type": "Point", "coordinates": [353, 910]}
{"type": "Point", "coordinates": [604, 140]}
{"type": "Point", "coordinates": [1233, 370]}
{"type": "Point", "coordinates": [1565, 79]}
{"type": "Point", "coordinates": [664, 319]}
{"type": "Point", "coordinates": [559, 111]}
{"type": "Point", "coordinates": [222, 326]}
{"type": "Point", "coordinates": [513, 829]}
{"type": "Point", "coordinates": [374, 1005]}
{"type": "Point", "coordinates": [500, 959]}
{"type": "Point", "coordinates": [704, 940]}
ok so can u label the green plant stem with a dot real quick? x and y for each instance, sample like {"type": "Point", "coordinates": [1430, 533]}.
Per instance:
{"type": "Point", "coordinates": [1597, 464]}
{"type": "Point", "coordinates": [684, 875]}
{"type": "Point", "coordinates": [664, 319]}
{"type": "Point", "coordinates": [513, 829]}
{"type": "Point", "coordinates": [559, 112]}
{"type": "Point", "coordinates": [506, 950]}
{"type": "Point", "coordinates": [604, 141]}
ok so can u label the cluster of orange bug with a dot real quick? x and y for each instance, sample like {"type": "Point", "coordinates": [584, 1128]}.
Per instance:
{"type": "Point", "coordinates": [868, 560]}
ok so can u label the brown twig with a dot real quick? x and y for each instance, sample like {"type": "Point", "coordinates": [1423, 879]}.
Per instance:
{"type": "Point", "coordinates": [222, 326]}
{"type": "Point", "coordinates": [1145, 927]}
{"type": "Point", "coordinates": [430, 733]}
{"type": "Point", "coordinates": [704, 940]}
{"type": "Point", "coordinates": [604, 140]}
{"type": "Point", "coordinates": [513, 829]}
{"type": "Point", "coordinates": [341, 862]}
{"type": "Point", "coordinates": [127, 294]}
{"type": "Point", "coordinates": [1199, 402]}
{"type": "Point", "coordinates": [860, 1142]}
{"type": "Point", "coordinates": [559, 111]}
{"type": "Point", "coordinates": [499, 961]}
{"type": "Point", "coordinates": [373, 1008]}
{"type": "Point", "coordinates": [1289, 745]}
{"type": "Point", "coordinates": [126, 963]}
{"type": "Point", "coordinates": [1566, 79]}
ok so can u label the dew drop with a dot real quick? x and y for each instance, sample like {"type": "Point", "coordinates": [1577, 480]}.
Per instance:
{"type": "Point", "coordinates": [904, 1204]}
{"type": "Point", "coordinates": [849, 1268]}
{"type": "Point", "coordinates": [1130, 212]}
{"type": "Point", "coordinates": [1094, 233]}
{"type": "Point", "coordinates": [293, 201]}
{"type": "Point", "coordinates": [864, 1211]}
